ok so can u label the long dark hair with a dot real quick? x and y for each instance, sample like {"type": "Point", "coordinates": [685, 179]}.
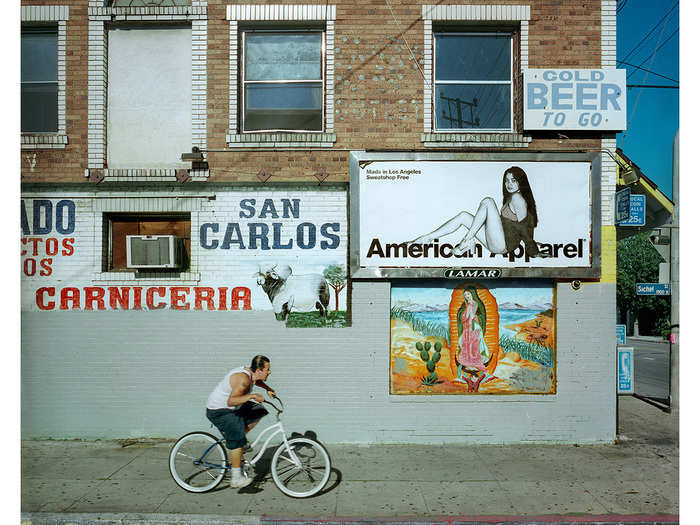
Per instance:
{"type": "Point", "coordinates": [524, 188]}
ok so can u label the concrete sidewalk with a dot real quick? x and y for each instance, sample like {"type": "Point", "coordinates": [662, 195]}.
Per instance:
{"type": "Point", "coordinates": [635, 481]}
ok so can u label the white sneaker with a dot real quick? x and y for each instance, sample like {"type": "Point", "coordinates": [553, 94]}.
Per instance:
{"type": "Point", "coordinates": [238, 480]}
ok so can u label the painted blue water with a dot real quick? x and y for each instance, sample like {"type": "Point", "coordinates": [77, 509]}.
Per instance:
{"type": "Point", "coordinates": [506, 317]}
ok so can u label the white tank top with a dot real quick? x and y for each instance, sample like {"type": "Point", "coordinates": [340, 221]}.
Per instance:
{"type": "Point", "coordinates": [219, 396]}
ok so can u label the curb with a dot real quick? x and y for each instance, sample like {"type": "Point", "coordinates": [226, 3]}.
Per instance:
{"type": "Point", "coordinates": [60, 518]}
{"type": "Point", "coordinates": [54, 518]}
{"type": "Point", "coordinates": [607, 519]}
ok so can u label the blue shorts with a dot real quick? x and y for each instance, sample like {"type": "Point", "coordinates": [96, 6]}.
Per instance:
{"type": "Point", "coordinates": [232, 423]}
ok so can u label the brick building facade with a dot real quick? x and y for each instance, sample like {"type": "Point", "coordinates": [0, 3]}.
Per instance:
{"type": "Point", "coordinates": [137, 350]}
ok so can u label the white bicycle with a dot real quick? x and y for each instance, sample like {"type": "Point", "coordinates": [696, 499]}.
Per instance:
{"type": "Point", "coordinates": [300, 466]}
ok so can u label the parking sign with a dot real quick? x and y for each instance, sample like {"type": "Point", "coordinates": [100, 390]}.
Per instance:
{"type": "Point", "coordinates": [625, 370]}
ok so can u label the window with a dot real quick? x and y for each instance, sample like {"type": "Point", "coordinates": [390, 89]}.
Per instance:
{"type": "Point", "coordinates": [281, 64]}
{"type": "Point", "coordinates": [473, 81]}
{"type": "Point", "coordinates": [149, 96]}
{"type": "Point", "coordinates": [139, 92]}
{"type": "Point", "coordinates": [39, 79]}
{"type": "Point", "coordinates": [282, 80]}
{"type": "Point", "coordinates": [121, 225]}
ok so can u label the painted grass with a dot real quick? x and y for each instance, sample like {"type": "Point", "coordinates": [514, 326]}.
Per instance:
{"type": "Point", "coordinates": [313, 320]}
{"type": "Point", "coordinates": [426, 328]}
{"type": "Point", "coordinates": [530, 351]}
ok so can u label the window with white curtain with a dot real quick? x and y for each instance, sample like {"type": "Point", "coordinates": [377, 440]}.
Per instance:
{"type": "Point", "coordinates": [282, 80]}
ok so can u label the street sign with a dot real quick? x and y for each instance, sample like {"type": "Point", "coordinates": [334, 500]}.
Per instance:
{"type": "Point", "coordinates": [653, 289]}
{"type": "Point", "coordinates": [637, 217]}
{"type": "Point", "coordinates": [625, 370]}
{"type": "Point", "coordinates": [621, 334]}
{"type": "Point", "coordinates": [622, 204]}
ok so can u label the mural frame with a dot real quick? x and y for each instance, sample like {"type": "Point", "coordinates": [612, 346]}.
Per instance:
{"type": "Point", "coordinates": [490, 394]}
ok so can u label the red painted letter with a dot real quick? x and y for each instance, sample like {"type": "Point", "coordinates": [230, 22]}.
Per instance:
{"type": "Point", "coordinates": [238, 294]}
{"type": "Point", "coordinates": [40, 298]}
{"type": "Point", "coordinates": [149, 297]}
{"type": "Point", "coordinates": [72, 295]}
{"type": "Point", "coordinates": [202, 294]}
{"type": "Point", "coordinates": [177, 297]}
{"type": "Point", "coordinates": [94, 294]}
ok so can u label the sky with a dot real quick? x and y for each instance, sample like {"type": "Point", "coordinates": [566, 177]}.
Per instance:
{"type": "Point", "coordinates": [648, 36]}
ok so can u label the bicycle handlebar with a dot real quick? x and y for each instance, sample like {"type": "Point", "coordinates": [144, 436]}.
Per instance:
{"type": "Point", "coordinates": [279, 409]}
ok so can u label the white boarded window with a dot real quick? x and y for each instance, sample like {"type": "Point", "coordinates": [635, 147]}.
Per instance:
{"type": "Point", "coordinates": [149, 97]}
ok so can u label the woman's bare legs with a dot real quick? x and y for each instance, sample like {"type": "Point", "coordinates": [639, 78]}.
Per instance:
{"type": "Point", "coordinates": [487, 215]}
{"type": "Point", "coordinates": [463, 218]}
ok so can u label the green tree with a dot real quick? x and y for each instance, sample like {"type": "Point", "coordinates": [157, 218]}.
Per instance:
{"type": "Point", "coordinates": [638, 262]}
{"type": "Point", "coordinates": [336, 275]}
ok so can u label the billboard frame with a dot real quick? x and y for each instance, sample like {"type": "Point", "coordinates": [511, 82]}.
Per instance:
{"type": "Point", "coordinates": [364, 272]}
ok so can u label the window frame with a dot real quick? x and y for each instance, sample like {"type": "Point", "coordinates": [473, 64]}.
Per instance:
{"type": "Point", "coordinates": [50, 16]}
{"type": "Point", "coordinates": [28, 29]}
{"type": "Point", "coordinates": [242, 61]}
{"type": "Point", "coordinates": [109, 219]}
{"type": "Point", "coordinates": [511, 82]}
{"type": "Point", "coordinates": [100, 18]}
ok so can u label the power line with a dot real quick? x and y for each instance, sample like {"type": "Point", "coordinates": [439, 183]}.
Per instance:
{"type": "Point", "coordinates": [647, 70]}
{"type": "Point", "coordinates": [636, 102]}
{"type": "Point", "coordinates": [655, 51]}
{"type": "Point", "coordinates": [650, 32]}
{"type": "Point", "coordinates": [651, 86]}
{"type": "Point", "coordinates": [621, 6]}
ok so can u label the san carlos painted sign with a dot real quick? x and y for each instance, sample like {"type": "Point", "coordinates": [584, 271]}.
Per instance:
{"type": "Point", "coordinates": [575, 99]}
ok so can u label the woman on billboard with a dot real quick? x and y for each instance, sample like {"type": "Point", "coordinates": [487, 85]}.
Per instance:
{"type": "Point", "coordinates": [503, 230]}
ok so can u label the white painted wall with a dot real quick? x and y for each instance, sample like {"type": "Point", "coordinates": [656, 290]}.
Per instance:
{"type": "Point", "coordinates": [147, 373]}
{"type": "Point", "coordinates": [149, 97]}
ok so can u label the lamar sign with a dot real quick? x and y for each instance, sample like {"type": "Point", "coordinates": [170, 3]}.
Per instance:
{"type": "Point", "coordinates": [575, 99]}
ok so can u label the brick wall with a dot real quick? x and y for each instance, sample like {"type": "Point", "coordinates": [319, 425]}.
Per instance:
{"type": "Point", "coordinates": [377, 81]}
{"type": "Point", "coordinates": [131, 377]}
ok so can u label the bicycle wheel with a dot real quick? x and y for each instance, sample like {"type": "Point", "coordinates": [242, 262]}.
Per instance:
{"type": "Point", "coordinates": [197, 462]}
{"type": "Point", "coordinates": [309, 476]}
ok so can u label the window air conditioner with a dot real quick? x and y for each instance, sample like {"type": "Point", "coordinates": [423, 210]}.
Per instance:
{"type": "Point", "coordinates": [154, 251]}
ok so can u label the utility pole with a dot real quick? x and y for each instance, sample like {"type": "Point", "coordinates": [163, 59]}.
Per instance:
{"type": "Point", "coordinates": [675, 280]}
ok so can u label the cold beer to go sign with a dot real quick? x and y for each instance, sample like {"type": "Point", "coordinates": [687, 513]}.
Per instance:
{"type": "Point", "coordinates": [575, 99]}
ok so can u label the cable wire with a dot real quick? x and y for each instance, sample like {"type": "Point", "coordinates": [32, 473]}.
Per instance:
{"type": "Point", "coordinates": [636, 102]}
{"type": "Point", "coordinates": [655, 51]}
{"type": "Point", "coordinates": [650, 32]}
{"type": "Point", "coordinates": [404, 40]}
{"type": "Point", "coordinates": [647, 70]}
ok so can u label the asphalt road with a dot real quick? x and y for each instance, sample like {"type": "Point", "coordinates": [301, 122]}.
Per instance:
{"type": "Point", "coordinates": [651, 367]}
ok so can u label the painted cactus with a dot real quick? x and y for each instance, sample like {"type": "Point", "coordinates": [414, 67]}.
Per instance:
{"type": "Point", "coordinates": [430, 361]}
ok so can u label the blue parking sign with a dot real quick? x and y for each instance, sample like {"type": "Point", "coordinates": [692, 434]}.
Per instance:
{"type": "Point", "coordinates": [621, 334]}
{"type": "Point", "coordinates": [637, 215]}
{"type": "Point", "coordinates": [625, 370]}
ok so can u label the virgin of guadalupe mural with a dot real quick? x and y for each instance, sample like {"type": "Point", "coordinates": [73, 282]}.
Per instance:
{"type": "Point", "coordinates": [474, 355]}
{"type": "Point", "coordinates": [496, 340]}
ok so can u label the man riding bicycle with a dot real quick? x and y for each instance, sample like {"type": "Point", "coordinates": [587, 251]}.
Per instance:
{"type": "Point", "coordinates": [231, 409]}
